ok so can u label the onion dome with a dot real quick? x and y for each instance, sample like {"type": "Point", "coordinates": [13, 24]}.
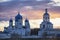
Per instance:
{"type": "Point", "coordinates": [10, 20]}
{"type": "Point", "coordinates": [18, 16]}
{"type": "Point", "coordinates": [26, 20]}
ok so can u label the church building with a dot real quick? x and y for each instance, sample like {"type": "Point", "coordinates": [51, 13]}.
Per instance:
{"type": "Point", "coordinates": [18, 28]}
{"type": "Point", "coordinates": [46, 24]}
{"type": "Point", "coordinates": [46, 27]}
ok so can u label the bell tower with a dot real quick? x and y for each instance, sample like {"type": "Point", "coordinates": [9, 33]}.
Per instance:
{"type": "Point", "coordinates": [46, 24]}
{"type": "Point", "coordinates": [46, 16]}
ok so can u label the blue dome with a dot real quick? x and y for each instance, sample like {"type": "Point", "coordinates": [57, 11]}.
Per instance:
{"type": "Point", "coordinates": [11, 20]}
{"type": "Point", "coordinates": [18, 16]}
{"type": "Point", "coordinates": [26, 20]}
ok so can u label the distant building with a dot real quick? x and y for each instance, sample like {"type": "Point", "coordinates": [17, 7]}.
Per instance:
{"type": "Point", "coordinates": [18, 28]}
{"type": "Point", "coordinates": [46, 27]}
{"type": "Point", "coordinates": [46, 24]}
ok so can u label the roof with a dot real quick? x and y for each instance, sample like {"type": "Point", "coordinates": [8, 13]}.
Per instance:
{"type": "Point", "coordinates": [26, 20]}
{"type": "Point", "coordinates": [11, 20]}
{"type": "Point", "coordinates": [18, 16]}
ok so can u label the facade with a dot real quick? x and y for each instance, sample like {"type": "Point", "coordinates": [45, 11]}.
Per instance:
{"type": "Point", "coordinates": [18, 28]}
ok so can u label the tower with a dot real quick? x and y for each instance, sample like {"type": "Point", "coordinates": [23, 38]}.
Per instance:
{"type": "Point", "coordinates": [18, 21]}
{"type": "Point", "coordinates": [46, 16]}
{"type": "Point", "coordinates": [11, 23]}
{"type": "Point", "coordinates": [46, 24]}
{"type": "Point", "coordinates": [27, 26]}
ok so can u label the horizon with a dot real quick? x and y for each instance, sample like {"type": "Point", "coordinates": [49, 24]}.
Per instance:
{"type": "Point", "coordinates": [32, 9]}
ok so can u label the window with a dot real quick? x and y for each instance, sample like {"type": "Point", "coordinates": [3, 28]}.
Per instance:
{"type": "Point", "coordinates": [43, 26]}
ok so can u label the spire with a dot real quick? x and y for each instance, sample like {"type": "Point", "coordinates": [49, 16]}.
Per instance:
{"type": "Point", "coordinates": [46, 10]}
{"type": "Point", "coordinates": [19, 13]}
{"type": "Point", "coordinates": [46, 15]}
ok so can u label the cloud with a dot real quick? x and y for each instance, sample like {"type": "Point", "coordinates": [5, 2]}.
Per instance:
{"type": "Point", "coordinates": [55, 3]}
{"type": "Point", "coordinates": [4, 0]}
{"type": "Point", "coordinates": [26, 7]}
{"type": "Point", "coordinates": [15, 4]}
{"type": "Point", "coordinates": [21, 3]}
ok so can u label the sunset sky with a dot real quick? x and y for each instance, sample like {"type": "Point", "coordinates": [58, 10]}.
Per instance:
{"type": "Point", "coordinates": [32, 9]}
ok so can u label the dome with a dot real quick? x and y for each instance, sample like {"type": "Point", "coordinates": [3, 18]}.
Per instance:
{"type": "Point", "coordinates": [18, 16]}
{"type": "Point", "coordinates": [26, 20]}
{"type": "Point", "coordinates": [46, 12]}
{"type": "Point", "coordinates": [11, 20]}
